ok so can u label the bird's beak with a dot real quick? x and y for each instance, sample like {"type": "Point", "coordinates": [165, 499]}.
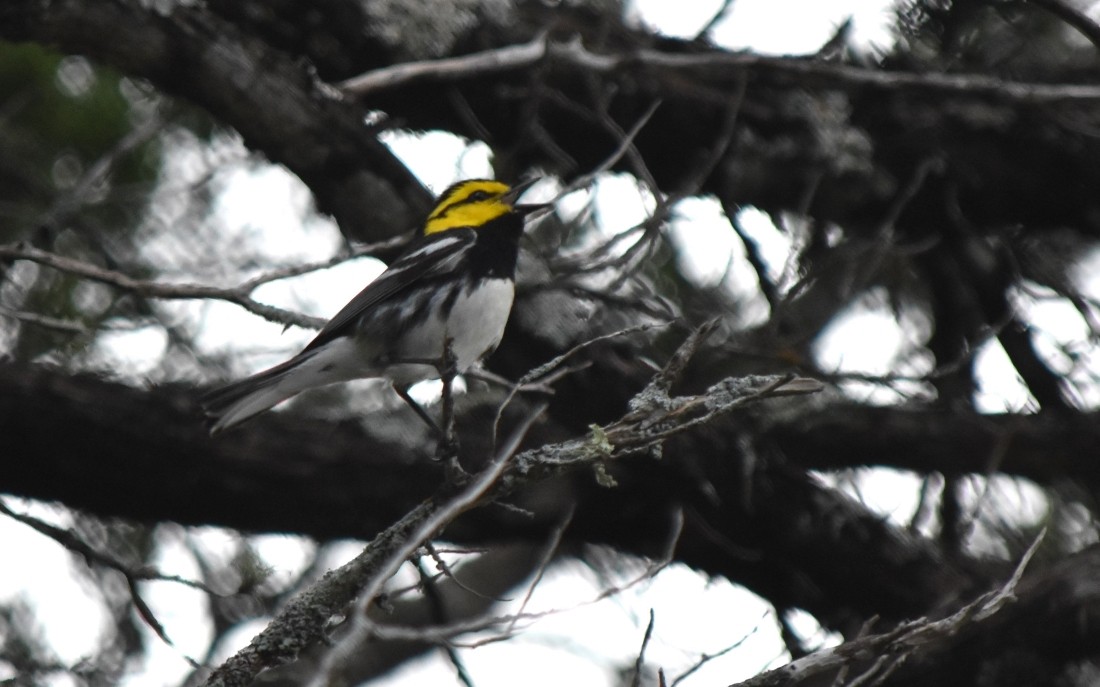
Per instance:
{"type": "Point", "coordinates": [517, 191]}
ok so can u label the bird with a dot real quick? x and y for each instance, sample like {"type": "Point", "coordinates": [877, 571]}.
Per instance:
{"type": "Point", "coordinates": [448, 296]}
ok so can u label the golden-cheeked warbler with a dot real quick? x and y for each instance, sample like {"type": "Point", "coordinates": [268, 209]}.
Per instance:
{"type": "Point", "coordinates": [450, 292]}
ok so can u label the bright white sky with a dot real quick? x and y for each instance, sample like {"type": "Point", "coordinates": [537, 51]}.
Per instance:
{"type": "Point", "coordinates": [586, 641]}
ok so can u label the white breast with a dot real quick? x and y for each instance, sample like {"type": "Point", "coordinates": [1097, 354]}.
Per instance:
{"type": "Point", "coordinates": [478, 319]}
{"type": "Point", "coordinates": [475, 324]}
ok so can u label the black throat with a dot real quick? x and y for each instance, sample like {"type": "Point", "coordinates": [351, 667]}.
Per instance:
{"type": "Point", "coordinates": [496, 247]}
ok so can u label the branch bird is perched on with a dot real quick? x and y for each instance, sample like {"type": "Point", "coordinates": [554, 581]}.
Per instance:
{"type": "Point", "coordinates": [452, 288]}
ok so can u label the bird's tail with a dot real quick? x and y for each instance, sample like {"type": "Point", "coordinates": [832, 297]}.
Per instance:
{"type": "Point", "coordinates": [239, 401]}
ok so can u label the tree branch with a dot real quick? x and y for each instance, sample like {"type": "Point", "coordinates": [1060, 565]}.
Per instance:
{"type": "Point", "coordinates": [715, 68]}
{"type": "Point", "coordinates": [1044, 448]}
{"type": "Point", "coordinates": [143, 455]}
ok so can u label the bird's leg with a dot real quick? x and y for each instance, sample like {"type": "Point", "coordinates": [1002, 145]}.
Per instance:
{"type": "Point", "coordinates": [403, 392]}
{"type": "Point", "coordinates": [448, 370]}
{"type": "Point", "coordinates": [447, 366]}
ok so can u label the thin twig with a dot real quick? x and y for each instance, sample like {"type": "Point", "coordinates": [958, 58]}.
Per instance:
{"type": "Point", "coordinates": [66, 326]}
{"type": "Point", "coordinates": [1007, 592]}
{"type": "Point", "coordinates": [626, 142]}
{"type": "Point", "coordinates": [717, 18]}
{"type": "Point", "coordinates": [548, 552]}
{"type": "Point", "coordinates": [447, 572]}
{"type": "Point", "coordinates": [440, 616]}
{"type": "Point", "coordinates": [722, 144]}
{"type": "Point", "coordinates": [754, 254]}
{"type": "Point", "coordinates": [153, 289]}
{"type": "Point", "coordinates": [639, 662]}
{"type": "Point", "coordinates": [545, 371]}
{"type": "Point", "coordinates": [706, 658]}
{"type": "Point", "coordinates": [446, 634]}
{"type": "Point", "coordinates": [69, 539]}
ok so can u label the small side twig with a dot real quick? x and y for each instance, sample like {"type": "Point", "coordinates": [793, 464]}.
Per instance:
{"type": "Point", "coordinates": [547, 372]}
{"type": "Point", "coordinates": [639, 662]}
{"type": "Point", "coordinates": [447, 572]}
{"type": "Point", "coordinates": [46, 322]}
{"type": "Point", "coordinates": [544, 561]}
{"type": "Point", "coordinates": [706, 658]}
{"type": "Point", "coordinates": [662, 382]}
{"type": "Point", "coordinates": [439, 612]}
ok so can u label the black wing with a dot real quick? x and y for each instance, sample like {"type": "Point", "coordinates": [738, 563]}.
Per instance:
{"type": "Point", "coordinates": [432, 257]}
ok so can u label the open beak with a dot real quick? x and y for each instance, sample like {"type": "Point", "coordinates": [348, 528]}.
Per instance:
{"type": "Point", "coordinates": [525, 208]}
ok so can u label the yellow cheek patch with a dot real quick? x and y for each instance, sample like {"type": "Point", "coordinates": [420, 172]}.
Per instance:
{"type": "Point", "coordinates": [471, 215]}
{"type": "Point", "coordinates": [468, 204]}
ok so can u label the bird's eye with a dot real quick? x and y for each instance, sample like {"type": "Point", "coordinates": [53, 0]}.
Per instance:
{"type": "Point", "coordinates": [478, 195]}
